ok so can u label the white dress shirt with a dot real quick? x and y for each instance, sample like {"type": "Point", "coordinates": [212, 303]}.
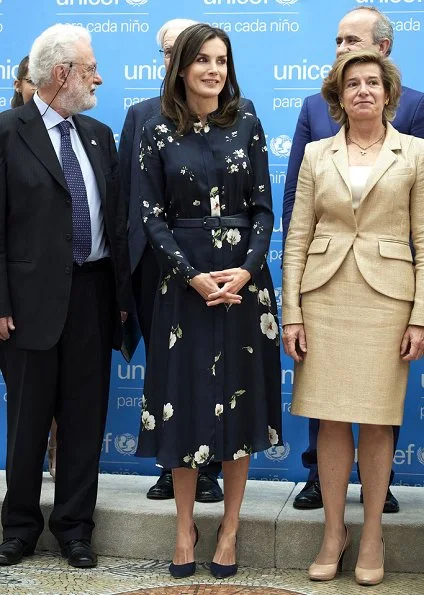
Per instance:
{"type": "Point", "coordinates": [51, 119]}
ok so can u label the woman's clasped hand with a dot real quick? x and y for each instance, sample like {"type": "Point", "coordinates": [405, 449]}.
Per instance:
{"type": "Point", "coordinates": [221, 287]}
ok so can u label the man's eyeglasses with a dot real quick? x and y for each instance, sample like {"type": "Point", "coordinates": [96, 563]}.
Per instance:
{"type": "Point", "coordinates": [90, 68]}
{"type": "Point", "coordinates": [166, 52]}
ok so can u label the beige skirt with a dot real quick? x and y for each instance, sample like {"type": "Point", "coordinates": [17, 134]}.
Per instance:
{"type": "Point", "coordinates": [352, 371]}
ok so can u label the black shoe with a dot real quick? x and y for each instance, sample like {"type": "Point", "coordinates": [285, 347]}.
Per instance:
{"type": "Point", "coordinates": [223, 570]}
{"type": "Point", "coordinates": [184, 570]}
{"type": "Point", "coordinates": [390, 505]}
{"type": "Point", "coordinates": [79, 553]}
{"type": "Point", "coordinates": [163, 488]}
{"type": "Point", "coordinates": [13, 549]}
{"type": "Point", "coordinates": [208, 489]}
{"type": "Point", "coordinates": [309, 496]}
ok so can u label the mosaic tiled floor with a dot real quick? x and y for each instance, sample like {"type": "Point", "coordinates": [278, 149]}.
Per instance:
{"type": "Point", "coordinates": [48, 574]}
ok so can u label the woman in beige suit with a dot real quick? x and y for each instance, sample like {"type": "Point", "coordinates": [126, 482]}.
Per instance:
{"type": "Point", "coordinates": [353, 309]}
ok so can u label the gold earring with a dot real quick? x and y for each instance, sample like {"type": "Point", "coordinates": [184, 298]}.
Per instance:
{"type": "Point", "coordinates": [341, 105]}
{"type": "Point", "coordinates": [386, 102]}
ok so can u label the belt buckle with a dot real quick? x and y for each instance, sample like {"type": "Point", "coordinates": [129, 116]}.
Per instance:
{"type": "Point", "coordinates": [210, 223]}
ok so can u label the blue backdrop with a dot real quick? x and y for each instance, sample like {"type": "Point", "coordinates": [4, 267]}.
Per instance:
{"type": "Point", "coordinates": [283, 49]}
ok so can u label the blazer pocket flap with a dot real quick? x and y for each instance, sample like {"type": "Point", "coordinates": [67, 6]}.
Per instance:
{"type": "Point", "coordinates": [401, 171]}
{"type": "Point", "coordinates": [319, 245]}
{"type": "Point", "coordinates": [396, 250]}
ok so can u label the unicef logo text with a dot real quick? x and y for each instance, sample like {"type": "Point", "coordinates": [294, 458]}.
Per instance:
{"type": "Point", "coordinates": [281, 146]}
{"type": "Point", "coordinates": [276, 454]}
{"type": "Point", "coordinates": [136, 2]}
{"type": "Point", "coordinates": [286, 2]}
{"type": "Point", "coordinates": [126, 444]}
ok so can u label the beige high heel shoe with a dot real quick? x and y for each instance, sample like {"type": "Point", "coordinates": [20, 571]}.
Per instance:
{"type": "Point", "coordinates": [326, 572]}
{"type": "Point", "coordinates": [371, 576]}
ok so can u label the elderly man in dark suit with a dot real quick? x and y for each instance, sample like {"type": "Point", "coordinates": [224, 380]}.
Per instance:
{"type": "Point", "coordinates": [364, 27]}
{"type": "Point", "coordinates": [64, 279]}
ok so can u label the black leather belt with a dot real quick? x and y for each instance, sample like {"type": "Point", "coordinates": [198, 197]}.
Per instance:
{"type": "Point", "coordinates": [93, 266]}
{"type": "Point", "coordinates": [209, 223]}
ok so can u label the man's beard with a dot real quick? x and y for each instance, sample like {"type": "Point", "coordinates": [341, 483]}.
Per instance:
{"type": "Point", "coordinates": [78, 99]}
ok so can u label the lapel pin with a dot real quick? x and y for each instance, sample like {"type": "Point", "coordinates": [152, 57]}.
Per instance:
{"type": "Point", "coordinates": [93, 142]}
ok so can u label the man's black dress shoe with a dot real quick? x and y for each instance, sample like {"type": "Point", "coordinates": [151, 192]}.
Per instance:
{"type": "Point", "coordinates": [12, 549]}
{"type": "Point", "coordinates": [390, 505]}
{"type": "Point", "coordinates": [208, 489]}
{"type": "Point", "coordinates": [79, 553]}
{"type": "Point", "coordinates": [163, 488]}
{"type": "Point", "coordinates": [309, 496]}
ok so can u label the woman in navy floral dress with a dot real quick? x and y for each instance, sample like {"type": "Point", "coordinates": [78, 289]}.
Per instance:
{"type": "Point", "coordinates": [212, 389]}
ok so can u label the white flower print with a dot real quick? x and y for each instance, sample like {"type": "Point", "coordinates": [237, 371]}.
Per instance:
{"type": "Point", "coordinates": [233, 168]}
{"type": "Point", "coordinates": [233, 398]}
{"type": "Point", "coordinates": [202, 455]}
{"type": "Point", "coordinates": [233, 236]}
{"type": "Point", "coordinates": [146, 204]}
{"type": "Point", "coordinates": [239, 153]}
{"type": "Point", "coordinates": [239, 454]}
{"type": "Point", "coordinates": [261, 188]}
{"type": "Point", "coordinates": [143, 402]}
{"type": "Point", "coordinates": [168, 412]}
{"type": "Point", "coordinates": [215, 361]}
{"type": "Point", "coordinates": [248, 349]}
{"type": "Point", "coordinates": [264, 149]}
{"type": "Point", "coordinates": [157, 210]}
{"type": "Point", "coordinates": [148, 421]}
{"type": "Point", "coordinates": [170, 139]}
{"type": "Point", "coordinates": [196, 203]}
{"type": "Point", "coordinates": [268, 325]}
{"type": "Point", "coordinates": [162, 128]}
{"type": "Point", "coordinates": [273, 436]}
{"type": "Point", "coordinates": [263, 297]}
{"type": "Point", "coordinates": [176, 333]}
{"type": "Point", "coordinates": [219, 408]}
{"type": "Point", "coordinates": [214, 199]}
{"type": "Point", "coordinates": [160, 144]}
{"type": "Point", "coordinates": [256, 137]}
{"type": "Point", "coordinates": [252, 288]}
{"type": "Point", "coordinates": [164, 285]}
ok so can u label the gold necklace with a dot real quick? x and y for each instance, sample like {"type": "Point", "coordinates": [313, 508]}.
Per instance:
{"type": "Point", "coordinates": [365, 149]}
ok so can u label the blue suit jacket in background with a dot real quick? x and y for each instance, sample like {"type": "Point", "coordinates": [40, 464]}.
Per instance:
{"type": "Point", "coordinates": [315, 123]}
{"type": "Point", "coordinates": [129, 149]}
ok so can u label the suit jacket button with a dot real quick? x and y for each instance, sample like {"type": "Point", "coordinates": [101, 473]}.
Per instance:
{"type": "Point", "coordinates": [68, 237]}
{"type": "Point", "coordinates": [68, 270]}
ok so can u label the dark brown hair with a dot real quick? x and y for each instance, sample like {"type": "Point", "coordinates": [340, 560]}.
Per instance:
{"type": "Point", "coordinates": [17, 98]}
{"type": "Point", "coordinates": [332, 86]}
{"type": "Point", "coordinates": [186, 48]}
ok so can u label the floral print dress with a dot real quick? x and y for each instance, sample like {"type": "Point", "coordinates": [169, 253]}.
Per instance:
{"type": "Point", "coordinates": [212, 388]}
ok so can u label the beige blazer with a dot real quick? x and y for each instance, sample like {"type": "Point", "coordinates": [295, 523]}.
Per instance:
{"type": "Point", "coordinates": [324, 225]}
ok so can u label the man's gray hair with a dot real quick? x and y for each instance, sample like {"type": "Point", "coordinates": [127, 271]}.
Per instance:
{"type": "Point", "coordinates": [383, 28]}
{"type": "Point", "coordinates": [55, 45]}
{"type": "Point", "coordinates": [173, 24]}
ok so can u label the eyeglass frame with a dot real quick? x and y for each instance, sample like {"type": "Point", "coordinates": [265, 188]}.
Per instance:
{"type": "Point", "coordinates": [90, 69]}
{"type": "Point", "coordinates": [166, 52]}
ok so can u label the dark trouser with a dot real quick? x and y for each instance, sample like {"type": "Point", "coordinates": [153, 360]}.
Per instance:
{"type": "Point", "coordinates": [309, 456]}
{"type": "Point", "coordinates": [70, 381]}
{"type": "Point", "coordinates": [145, 279]}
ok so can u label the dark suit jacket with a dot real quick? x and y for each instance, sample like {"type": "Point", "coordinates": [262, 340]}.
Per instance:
{"type": "Point", "coordinates": [36, 224]}
{"type": "Point", "coordinates": [129, 150]}
{"type": "Point", "coordinates": [314, 123]}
